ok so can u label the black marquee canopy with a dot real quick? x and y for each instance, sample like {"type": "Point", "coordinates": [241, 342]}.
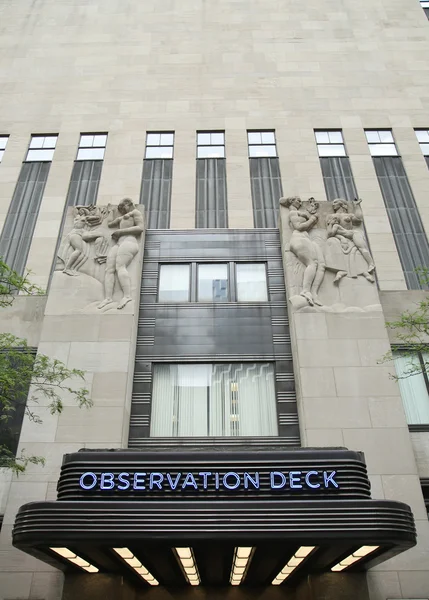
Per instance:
{"type": "Point", "coordinates": [291, 512]}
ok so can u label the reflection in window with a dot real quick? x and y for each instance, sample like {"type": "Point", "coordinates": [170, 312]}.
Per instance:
{"type": "Point", "coordinates": [251, 282]}
{"type": "Point", "coordinates": [3, 142]}
{"type": "Point", "coordinates": [213, 283]}
{"type": "Point", "coordinates": [159, 145]}
{"type": "Point", "coordinates": [174, 283]}
{"type": "Point", "coordinates": [41, 148]}
{"type": "Point", "coordinates": [92, 146]}
{"type": "Point", "coordinates": [213, 400]}
{"type": "Point", "coordinates": [413, 385]}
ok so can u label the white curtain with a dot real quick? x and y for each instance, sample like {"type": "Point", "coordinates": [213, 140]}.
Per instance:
{"type": "Point", "coordinates": [413, 389]}
{"type": "Point", "coordinates": [214, 400]}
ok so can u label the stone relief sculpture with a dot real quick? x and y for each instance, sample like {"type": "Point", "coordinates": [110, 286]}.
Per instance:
{"type": "Point", "coordinates": [327, 255]}
{"type": "Point", "coordinates": [346, 243]}
{"type": "Point", "coordinates": [92, 249]}
{"type": "Point", "coordinates": [306, 251]}
{"type": "Point", "coordinates": [130, 225]}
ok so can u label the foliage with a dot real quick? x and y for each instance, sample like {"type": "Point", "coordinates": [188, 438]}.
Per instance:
{"type": "Point", "coordinates": [412, 334]}
{"type": "Point", "coordinates": [20, 370]}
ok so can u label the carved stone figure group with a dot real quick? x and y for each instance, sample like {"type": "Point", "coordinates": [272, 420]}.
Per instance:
{"type": "Point", "coordinates": [89, 245]}
{"type": "Point", "coordinates": [345, 250]}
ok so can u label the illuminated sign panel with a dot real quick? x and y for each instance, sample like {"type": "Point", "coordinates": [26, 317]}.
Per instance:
{"type": "Point", "coordinates": [202, 480]}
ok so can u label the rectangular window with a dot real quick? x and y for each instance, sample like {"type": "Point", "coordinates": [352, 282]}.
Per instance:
{"type": "Point", "coordinates": [413, 385]}
{"type": "Point", "coordinates": [265, 180]}
{"type": "Point", "coordinates": [423, 139]}
{"type": "Point", "coordinates": [159, 145]}
{"type": "Point", "coordinates": [330, 143]}
{"type": "Point", "coordinates": [251, 282]}
{"type": "Point", "coordinates": [213, 400]}
{"type": "Point", "coordinates": [42, 148]}
{"type": "Point", "coordinates": [425, 5]}
{"type": "Point", "coordinates": [92, 146]}
{"type": "Point", "coordinates": [211, 208]}
{"type": "Point", "coordinates": [335, 165]}
{"type": "Point", "coordinates": [155, 192]}
{"type": "Point", "coordinates": [404, 217]}
{"type": "Point", "coordinates": [3, 143]}
{"type": "Point", "coordinates": [381, 142]}
{"type": "Point", "coordinates": [174, 283]}
{"type": "Point", "coordinates": [213, 283]}
{"type": "Point", "coordinates": [211, 144]}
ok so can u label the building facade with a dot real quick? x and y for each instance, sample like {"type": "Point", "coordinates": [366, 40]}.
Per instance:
{"type": "Point", "coordinates": [231, 320]}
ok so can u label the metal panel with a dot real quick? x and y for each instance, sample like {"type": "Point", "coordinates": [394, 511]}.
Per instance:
{"type": "Point", "coordinates": [21, 218]}
{"type": "Point", "coordinates": [205, 332]}
{"type": "Point", "coordinates": [211, 195]}
{"type": "Point", "coordinates": [267, 190]}
{"type": "Point", "coordinates": [404, 217]}
{"type": "Point", "coordinates": [338, 178]}
{"type": "Point", "coordinates": [155, 193]}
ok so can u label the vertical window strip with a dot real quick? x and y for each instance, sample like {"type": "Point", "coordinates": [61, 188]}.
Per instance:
{"type": "Point", "coordinates": [211, 193]}
{"type": "Point", "coordinates": [155, 192]}
{"type": "Point", "coordinates": [266, 189]}
{"type": "Point", "coordinates": [17, 234]}
{"type": "Point", "coordinates": [404, 217]}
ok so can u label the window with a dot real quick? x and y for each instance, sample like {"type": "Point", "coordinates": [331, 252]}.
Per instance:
{"type": "Point", "coordinates": [261, 144]}
{"type": "Point", "coordinates": [92, 146]}
{"type": "Point", "coordinates": [211, 144]}
{"type": "Point", "coordinates": [174, 281]}
{"type": "Point", "coordinates": [155, 191]}
{"type": "Point", "coordinates": [265, 179]}
{"type": "Point", "coordinates": [414, 385]}
{"type": "Point", "coordinates": [211, 208]}
{"type": "Point", "coordinates": [404, 217]}
{"type": "Point", "coordinates": [381, 142]}
{"type": "Point", "coordinates": [42, 148]}
{"type": "Point", "coordinates": [423, 139]}
{"type": "Point", "coordinates": [159, 145]}
{"type": "Point", "coordinates": [3, 143]}
{"type": "Point", "coordinates": [425, 5]}
{"type": "Point", "coordinates": [425, 489]}
{"type": "Point", "coordinates": [330, 143]}
{"type": "Point", "coordinates": [251, 282]}
{"type": "Point", "coordinates": [335, 165]}
{"type": "Point", "coordinates": [213, 400]}
{"type": "Point", "coordinates": [213, 282]}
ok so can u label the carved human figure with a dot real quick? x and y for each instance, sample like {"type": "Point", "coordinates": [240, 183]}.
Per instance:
{"type": "Point", "coordinates": [77, 239]}
{"type": "Point", "coordinates": [345, 242]}
{"type": "Point", "coordinates": [306, 250]}
{"type": "Point", "coordinates": [120, 255]}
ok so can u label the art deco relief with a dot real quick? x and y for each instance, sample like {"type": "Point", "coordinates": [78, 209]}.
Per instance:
{"type": "Point", "coordinates": [92, 250]}
{"type": "Point", "coordinates": [329, 265]}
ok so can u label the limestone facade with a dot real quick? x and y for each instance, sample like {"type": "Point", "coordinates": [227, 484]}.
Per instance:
{"type": "Point", "coordinates": [126, 67]}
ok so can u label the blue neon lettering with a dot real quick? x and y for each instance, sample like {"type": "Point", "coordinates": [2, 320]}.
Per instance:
{"type": "Point", "coordinates": [230, 486]}
{"type": "Point", "coordinates": [205, 475]}
{"type": "Point", "coordinates": [124, 481]}
{"type": "Point", "coordinates": [308, 482]}
{"type": "Point", "coordinates": [217, 481]}
{"type": "Point", "coordinates": [189, 480]}
{"type": "Point", "coordinates": [86, 486]}
{"type": "Point", "coordinates": [330, 479]}
{"type": "Point", "coordinates": [253, 480]}
{"type": "Point", "coordinates": [156, 479]}
{"type": "Point", "coordinates": [107, 481]}
{"type": "Point", "coordinates": [174, 484]}
{"type": "Point", "coordinates": [295, 479]}
{"type": "Point", "coordinates": [274, 485]}
{"type": "Point", "coordinates": [139, 481]}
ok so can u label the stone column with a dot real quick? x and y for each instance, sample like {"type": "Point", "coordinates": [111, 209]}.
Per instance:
{"type": "Point", "coordinates": [345, 396]}
{"type": "Point", "coordinates": [100, 341]}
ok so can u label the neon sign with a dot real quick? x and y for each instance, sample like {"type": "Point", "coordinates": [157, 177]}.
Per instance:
{"type": "Point", "coordinates": [203, 480]}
